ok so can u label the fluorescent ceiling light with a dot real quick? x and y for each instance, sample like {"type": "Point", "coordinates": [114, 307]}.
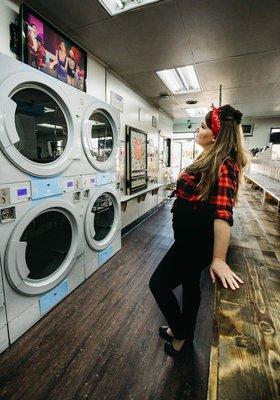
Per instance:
{"type": "Point", "coordinates": [197, 112]}
{"type": "Point", "coordinates": [50, 126]}
{"type": "Point", "coordinates": [119, 6]}
{"type": "Point", "coordinates": [180, 80]}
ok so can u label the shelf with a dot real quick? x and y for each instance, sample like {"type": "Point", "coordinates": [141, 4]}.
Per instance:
{"type": "Point", "coordinates": [141, 195]}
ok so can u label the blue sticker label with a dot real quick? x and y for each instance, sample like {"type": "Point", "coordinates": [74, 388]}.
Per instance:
{"type": "Point", "coordinates": [103, 178]}
{"type": "Point", "coordinates": [50, 299]}
{"type": "Point", "coordinates": [104, 255]}
{"type": "Point", "coordinates": [42, 188]}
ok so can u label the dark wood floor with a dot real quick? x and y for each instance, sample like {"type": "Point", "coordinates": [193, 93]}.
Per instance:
{"type": "Point", "coordinates": [102, 341]}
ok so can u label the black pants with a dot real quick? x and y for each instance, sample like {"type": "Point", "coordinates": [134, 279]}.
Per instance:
{"type": "Point", "coordinates": [191, 252]}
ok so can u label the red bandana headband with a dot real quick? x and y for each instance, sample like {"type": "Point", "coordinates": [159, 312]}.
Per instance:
{"type": "Point", "coordinates": [215, 121]}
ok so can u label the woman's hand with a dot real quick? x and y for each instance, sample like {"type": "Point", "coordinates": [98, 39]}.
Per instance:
{"type": "Point", "coordinates": [226, 275]}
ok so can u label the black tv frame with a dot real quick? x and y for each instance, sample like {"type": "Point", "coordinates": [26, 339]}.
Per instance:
{"type": "Point", "coordinates": [24, 10]}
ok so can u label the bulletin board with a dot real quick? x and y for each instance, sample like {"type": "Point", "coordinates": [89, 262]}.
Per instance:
{"type": "Point", "coordinates": [136, 160]}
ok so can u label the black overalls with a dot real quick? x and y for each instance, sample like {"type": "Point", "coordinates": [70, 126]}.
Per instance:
{"type": "Point", "coordinates": [191, 252]}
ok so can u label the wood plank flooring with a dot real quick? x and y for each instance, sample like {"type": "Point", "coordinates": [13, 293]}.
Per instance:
{"type": "Point", "coordinates": [245, 354]}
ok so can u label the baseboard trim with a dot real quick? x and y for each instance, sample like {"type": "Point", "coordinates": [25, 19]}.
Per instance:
{"type": "Point", "coordinates": [141, 219]}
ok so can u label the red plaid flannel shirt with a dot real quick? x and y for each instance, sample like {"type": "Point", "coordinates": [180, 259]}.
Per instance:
{"type": "Point", "coordinates": [221, 197]}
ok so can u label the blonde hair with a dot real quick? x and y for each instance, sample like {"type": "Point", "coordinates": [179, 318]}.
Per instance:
{"type": "Point", "coordinates": [229, 144]}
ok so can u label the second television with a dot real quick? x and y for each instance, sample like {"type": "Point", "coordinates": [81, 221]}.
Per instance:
{"type": "Point", "coordinates": [47, 49]}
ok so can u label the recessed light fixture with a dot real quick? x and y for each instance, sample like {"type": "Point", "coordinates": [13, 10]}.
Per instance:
{"type": "Point", "coordinates": [119, 6]}
{"type": "Point", "coordinates": [191, 101]}
{"type": "Point", "coordinates": [180, 80]}
{"type": "Point", "coordinates": [164, 96]}
{"type": "Point", "coordinates": [197, 112]}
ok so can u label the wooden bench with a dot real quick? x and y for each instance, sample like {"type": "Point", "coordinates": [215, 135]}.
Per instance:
{"type": "Point", "coordinates": [270, 187]}
{"type": "Point", "coordinates": [245, 348]}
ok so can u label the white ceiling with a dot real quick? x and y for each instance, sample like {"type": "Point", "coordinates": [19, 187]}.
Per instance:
{"type": "Point", "coordinates": [235, 43]}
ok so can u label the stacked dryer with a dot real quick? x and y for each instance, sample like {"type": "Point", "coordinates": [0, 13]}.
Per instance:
{"type": "Point", "coordinates": [101, 193]}
{"type": "Point", "coordinates": [41, 209]}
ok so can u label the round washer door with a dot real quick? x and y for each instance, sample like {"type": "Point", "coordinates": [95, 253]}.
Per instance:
{"type": "Point", "coordinates": [43, 247]}
{"type": "Point", "coordinates": [37, 126]}
{"type": "Point", "coordinates": [100, 136]}
{"type": "Point", "coordinates": [102, 218]}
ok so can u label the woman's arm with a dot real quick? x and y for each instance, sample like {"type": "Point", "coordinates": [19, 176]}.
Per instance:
{"type": "Point", "coordinates": [219, 266]}
{"type": "Point", "coordinates": [221, 239]}
{"type": "Point", "coordinates": [55, 61]}
{"type": "Point", "coordinates": [222, 200]}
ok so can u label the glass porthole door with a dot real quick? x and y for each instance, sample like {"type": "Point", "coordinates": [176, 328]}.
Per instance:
{"type": "Point", "coordinates": [43, 246]}
{"type": "Point", "coordinates": [100, 138]}
{"type": "Point", "coordinates": [102, 219]}
{"type": "Point", "coordinates": [37, 125]}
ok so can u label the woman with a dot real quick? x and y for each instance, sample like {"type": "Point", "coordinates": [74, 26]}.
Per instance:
{"type": "Point", "coordinates": [61, 60]}
{"type": "Point", "coordinates": [202, 216]}
{"type": "Point", "coordinates": [71, 68]}
{"type": "Point", "coordinates": [41, 53]}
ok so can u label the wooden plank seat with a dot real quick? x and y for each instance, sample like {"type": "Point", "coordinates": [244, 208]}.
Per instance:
{"type": "Point", "coordinates": [270, 187]}
{"type": "Point", "coordinates": [245, 349]}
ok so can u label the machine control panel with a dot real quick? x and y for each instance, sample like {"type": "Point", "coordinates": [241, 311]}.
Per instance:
{"type": "Point", "coordinates": [72, 184]}
{"type": "Point", "coordinates": [88, 181]}
{"type": "Point", "coordinates": [15, 193]}
{"type": "Point", "coordinates": [68, 185]}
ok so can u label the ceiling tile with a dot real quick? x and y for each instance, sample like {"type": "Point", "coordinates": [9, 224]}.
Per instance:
{"type": "Point", "coordinates": [155, 28]}
{"type": "Point", "coordinates": [170, 58]}
{"type": "Point", "coordinates": [147, 82]}
{"type": "Point", "coordinates": [216, 29]}
{"type": "Point", "coordinates": [261, 68]}
{"type": "Point", "coordinates": [212, 74]}
{"type": "Point", "coordinates": [264, 31]}
{"type": "Point", "coordinates": [70, 14]}
{"type": "Point", "coordinates": [103, 39]}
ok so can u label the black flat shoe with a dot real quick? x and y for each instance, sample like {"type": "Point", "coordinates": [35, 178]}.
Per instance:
{"type": "Point", "coordinates": [163, 333]}
{"type": "Point", "coordinates": [170, 351]}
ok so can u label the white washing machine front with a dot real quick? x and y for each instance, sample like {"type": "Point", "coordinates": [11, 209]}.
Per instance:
{"type": "Point", "coordinates": [42, 252]}
{"type": "Point", "coordinates": [102, 225]}
{"type": "Point", "coordinates": [39, 128]}
{"type": "Point", "coordinates": [100, 136]}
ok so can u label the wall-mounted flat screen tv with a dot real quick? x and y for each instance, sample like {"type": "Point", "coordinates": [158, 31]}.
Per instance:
{"type": "Point", "coordinates": [47, 49]}
{"type": "Point", "coordinates": [247, 129]}
{"type": "Point", "coordinates": [275, 135]}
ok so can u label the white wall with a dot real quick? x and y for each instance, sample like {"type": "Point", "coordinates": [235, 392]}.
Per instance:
{"type": "Point", "coordinates": [261, 131]}
{"type": "Point", "coordinates": [260, 136]}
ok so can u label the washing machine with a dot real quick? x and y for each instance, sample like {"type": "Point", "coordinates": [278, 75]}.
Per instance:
{"type": "Point", "coordinates": [39, 124]}
{"type": "Point", "coordinates": [42, 247]}
{"type": "Point", "coordinates": [102, 222]}
{"type": "Point", "coordinates": [100, 133]}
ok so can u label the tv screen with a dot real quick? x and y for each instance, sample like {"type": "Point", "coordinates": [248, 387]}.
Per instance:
{"type": "Point", "coordinates": [47, 49]}
{"type": "Point", "coordinates": [247, 129]}
{"type": "Point", "coordinates": [275, 135]}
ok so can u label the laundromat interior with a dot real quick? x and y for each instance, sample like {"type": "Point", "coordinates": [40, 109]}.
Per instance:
{"type": "Point", "coordinates": [101, 102]}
